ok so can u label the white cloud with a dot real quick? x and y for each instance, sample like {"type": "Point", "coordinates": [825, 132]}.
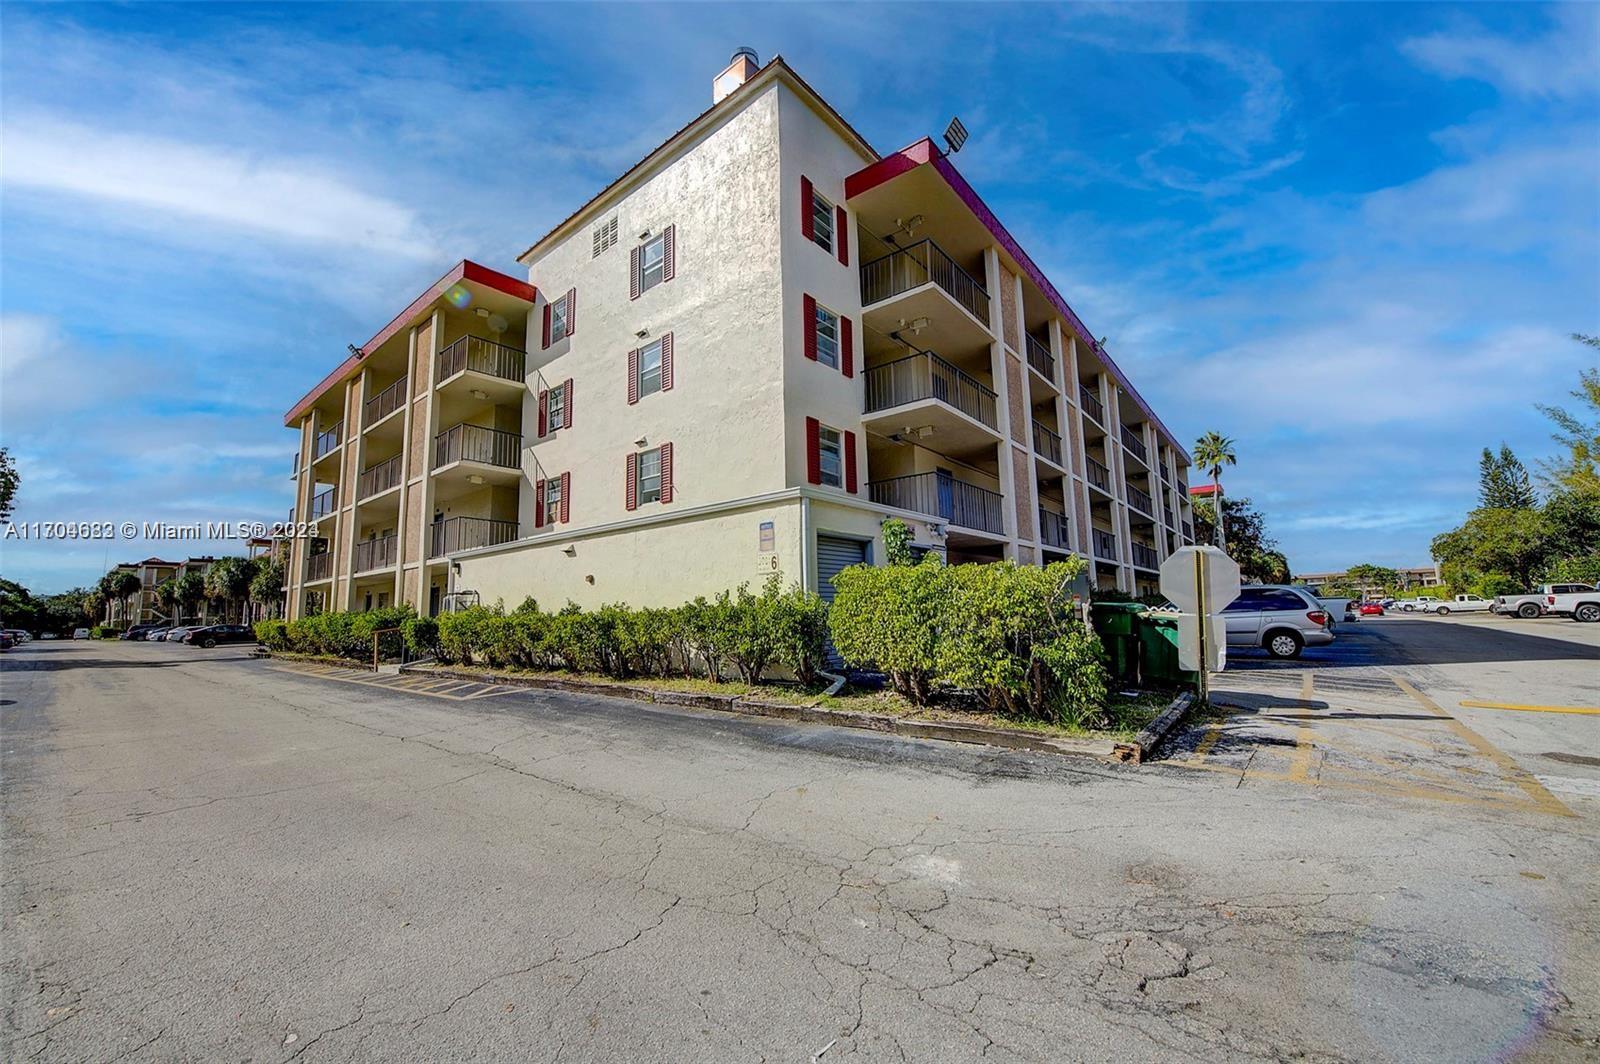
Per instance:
{"type": "Point", "coordinates": [1563, 63]}
{"type": "Point", "coordinates": [294, 200]}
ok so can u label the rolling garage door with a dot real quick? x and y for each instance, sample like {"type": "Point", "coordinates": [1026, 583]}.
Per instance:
{"type": "Point", "coordinates": [834, 554]}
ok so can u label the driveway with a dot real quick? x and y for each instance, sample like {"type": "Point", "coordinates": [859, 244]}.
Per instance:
{"type": "Point", "coordinates": [210, 857]}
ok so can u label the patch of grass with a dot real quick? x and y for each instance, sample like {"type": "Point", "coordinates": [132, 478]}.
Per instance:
{"type": "Point", "coordinates": [1122, 720]}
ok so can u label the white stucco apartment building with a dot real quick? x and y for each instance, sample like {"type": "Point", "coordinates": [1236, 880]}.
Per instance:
{"type": "Point", "coordinates": [738, 359]}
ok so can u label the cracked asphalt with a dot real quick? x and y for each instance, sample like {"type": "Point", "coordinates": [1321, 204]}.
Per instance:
{"type": "Point", "coordinates": [214, 858]}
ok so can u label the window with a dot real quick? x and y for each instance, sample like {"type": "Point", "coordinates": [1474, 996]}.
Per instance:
{"type": "Point", "coordinates": [650, 369]}
{"type": "Point", "coordinates": [552, 500]}
{"type": "Point", "coordinates": [827, 336]}
{"type": "Point", "coordinates": [821, 220]}
{"type": "Point", "coordinates": [558, 319]}
{"type": "Point", "coordinates": [830, 454]}
{"type": "Point", "coordinates": [650, 476]}
{"type": "Point", "coordinates": [556, 409]}
{"type": "Point", "coordinates": [605, 237]}
{"type": "Point", "coordinates": [652, 263]}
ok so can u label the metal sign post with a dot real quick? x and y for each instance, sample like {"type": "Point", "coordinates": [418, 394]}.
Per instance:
{"type": "Point", "coordinates": [1201, 581]}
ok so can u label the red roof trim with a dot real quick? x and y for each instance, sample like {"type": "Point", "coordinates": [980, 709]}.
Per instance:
{"type": "Point", "coordinates": [465, 270]}
{"type": "Point", "coordinates": [925, 152]}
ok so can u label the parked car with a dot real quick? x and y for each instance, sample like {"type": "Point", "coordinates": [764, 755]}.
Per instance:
{"type": "Point", "coordinates": [1459, 604]}
{"type": "Point", "coordinates": [155, 635]}
{"type": "Point", "coordinates": [175, 635]}
{"type": "Point", "coordinates": [1580, 605]}
{"type": "Point", "coordinates": [7, 640]}
{"type": "Point", "coordinates": [1372, 609]}
{"type": "Point", "coordinates": [18, 635]}
{"type": "Point", "coordinates": [1282, 620]}
{"type": "Point", "coordinates": [1534, 605]}
{"type": "Point", "coordinates": [138, 631]}
{"type": "Point", "coordinates": [80, 633]}
{"type": "Point", "coordinates": [217, 634]}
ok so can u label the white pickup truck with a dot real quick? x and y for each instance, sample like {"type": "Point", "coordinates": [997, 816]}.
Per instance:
{"type": "Point", "coordinates": [1580, 605]}
{"type": "Point", "coordinates": [1459, 604]}
{"type": "Point", "coordinates": [1535, 605]}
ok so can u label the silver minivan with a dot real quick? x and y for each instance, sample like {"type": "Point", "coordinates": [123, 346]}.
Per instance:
{"type": "Point", "coordinates": [1280, 619]}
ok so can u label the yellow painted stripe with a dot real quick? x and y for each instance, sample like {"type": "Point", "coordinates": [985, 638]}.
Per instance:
{"type": "Point", "coordinates": [1542, 798]}
{"type": "Point", "coordinates": [1584, 711]}
{"type": "Point", "coordinates": [1305, 685]}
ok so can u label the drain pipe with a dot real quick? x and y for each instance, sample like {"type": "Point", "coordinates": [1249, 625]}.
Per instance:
{"type": "Point", "coordinates": [805, 543]}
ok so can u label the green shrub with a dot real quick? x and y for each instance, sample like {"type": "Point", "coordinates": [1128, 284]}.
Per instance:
{"type": "Point", "coordinates": [422, 636]}
{"type": "Point", "coordinates": [274, 635]}
{"type": "Point", "coordinates": [800, 632]}
{"type": "Point", "coordinates": [706, 632]}
{"type": "Point", "coordinates": [1076, 662]}
{"type": "Point", "coordinates": [887, 618]}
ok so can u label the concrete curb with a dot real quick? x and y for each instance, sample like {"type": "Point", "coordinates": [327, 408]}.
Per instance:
{"type": "Point", "coordinates": [1144, 744]}
{"type": "Point", "coordinates": [1006, 738]}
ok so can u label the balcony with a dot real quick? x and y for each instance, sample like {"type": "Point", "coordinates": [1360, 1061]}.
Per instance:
{"type": "Point", "coordinates": [478, 445]}
{"type": "Point", "coordinates": [941, 495]}
{"type": "Point", "coordinates": [1135, 444]}
{"type": "Point", "coordinates": [1105, 545]}
{"type": "Point", "coordinates": [1099, 475]}
{"type": "Point", "coordinates": [327, 440]}
{"type": "Point", "coordinates": [1039, 357]}
{"type": "Point", "coordinates": [921, 281]}
{"type": "Point", "coordinates": [378, 478]}
{"type": "Point", "coordinates": [373, 554]}
{"type": "Point", "coordinates": [1052, 528]}
{"type": "Point", "coordinates": [1047, 444]}
{"type": "Point", "coordinates": [319, 567]}
{"type": "Point", "coordinates": [1188, 532]}
{"type": "Point", "coordinates": [469, 533]}
{"type": "Point", "coordinates": [385, 403]}
{"type": "Point", "coordinates": [1140, 500]}
{"type": "Point", "coordinates": [923, 390]}
{"type": "Point", "coordinates": [1145, 557]}
{"type": "Point", "coordinates": [324, 503]}
{"type": "Point", "coordinates": [1092, 405]}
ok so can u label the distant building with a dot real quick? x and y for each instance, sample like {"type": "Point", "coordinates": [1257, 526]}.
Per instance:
{"type": "Point", "coordinates": [1413, 576]}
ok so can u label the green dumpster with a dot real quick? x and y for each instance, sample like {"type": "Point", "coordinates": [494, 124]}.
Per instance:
{"type": "Point", "coordinates": [1157, 635]}
{"type": "Point", "coordinates": [1115, 623]}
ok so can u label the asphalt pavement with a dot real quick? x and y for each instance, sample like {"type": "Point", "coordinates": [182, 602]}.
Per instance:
{"type": "Point", "coordinates": [209, 857]}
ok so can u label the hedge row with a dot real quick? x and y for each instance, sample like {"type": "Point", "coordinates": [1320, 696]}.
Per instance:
{"type": "Point", "coordinates": [1005, 632]}
{"type": "Point", "coordinates": [341, 635]}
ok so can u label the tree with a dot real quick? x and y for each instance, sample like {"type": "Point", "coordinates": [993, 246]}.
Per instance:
{"type": "Point", "coordinates": [1211, 452]}
{"type": "Point", "coordinates": [1379, 576]}
{"type": "Point", "coordinates": [191, 588]}
{"type": "Point", "coordinates": [1503, 482]}
{"type": "Point", "coordinates": [9, 481]}
{"type": "Point", "coordinates": [267, 585]}
{"type": "Point", "coordinates": [18, 607]}
{"type": "Point", "coordinates": [1579, 433]}
{"type": "Point", "coordinates": [1513, 542]}
{"type": "Point", "coordinates": [228, 581]}
{"type": "Point", "coordinates": [121, 585]}
{"type": "Point", "coordinates": [167, 596]}
{"type": "Point", "coordinates": [1247, 541]}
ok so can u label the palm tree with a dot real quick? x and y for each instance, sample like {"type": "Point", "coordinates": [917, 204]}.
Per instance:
{"type": "Point", "coordinates": [1211, 452]}
{"type": "Point", "coordinates": [121, 585]}
{"type": "Point", "coordinates": [167, 596]}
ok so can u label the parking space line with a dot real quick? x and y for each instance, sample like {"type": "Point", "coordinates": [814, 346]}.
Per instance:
{"type": "Point", "coordinates": [1535, 790]}
{"type": "Point", "coordinates": [1585, 711]}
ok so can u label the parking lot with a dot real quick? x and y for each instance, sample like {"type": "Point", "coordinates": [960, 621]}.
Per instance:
{"type": "Point", "coordinates": [214, 857]}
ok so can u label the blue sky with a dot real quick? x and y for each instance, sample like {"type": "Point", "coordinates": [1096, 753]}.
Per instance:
{"type": "Point", "coordinates": [1353, 238]}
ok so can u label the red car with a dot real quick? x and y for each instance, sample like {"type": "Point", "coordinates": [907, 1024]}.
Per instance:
{"type": "Point", "coordinates": [1372, 609]}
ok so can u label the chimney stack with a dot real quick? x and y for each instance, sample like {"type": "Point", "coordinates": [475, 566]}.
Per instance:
{"type": "Point", "coordinates": [741, 68]}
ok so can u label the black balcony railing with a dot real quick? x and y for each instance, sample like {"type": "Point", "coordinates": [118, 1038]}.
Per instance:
{"type": "Point", "coordinates": [1091, 405]}
{"type": "Point", "coordinates": [1140, 500]}
{"type": "Point", "coordinates": [482, 356]}
{"type": "Point", "coordinates": [914, 266]}
{"type": "Point", "coordinates": [927, 376]}
{"type": "Point", "coordinates": [380, 477]}
{"type": "Point", "coordinates": [469, 533]}
{"type": "Point", "coordinates": [942, 495]}
{"type": "Point", "coordinates": [1040, 358]}
{"type": "Point", "coordinates": [1188, 532]}
{"type": "Point", "coordinates": [1135, 443]}
{"type": "Point", "coordinates": [1053, 528]}
{"type": "Point", "coordinates": [1099, 475]}
{"type": "Point", "coordinates": [375, 553]}
{"type": "Point", "coordinates": [386, 402]}
{"type": "Point", "coordinates": [474, 443]}
{"type": "Point", "coordinates": [323, 503]}
{"type": "Point", "coordinates": [1146, 557]}
{"type": "Point", "coordinates": [1105, 545]}
{"type": "Point", "coordinates": [319, 566]}
{"type": "Point", "coordinates": [1046, 443]}
{"type": "Point", "coordinates": [327, 440]}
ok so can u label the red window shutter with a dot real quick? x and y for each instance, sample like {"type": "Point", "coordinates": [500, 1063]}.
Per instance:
{"type": "Point", "coordinates": [666, 472]}
{"type": "Point", "coordinates": [813, 450]}
{"type": "Point", "coordinates": [546, 341]}
{"type": "Point", "coordinates": [572, 311]}
{"type": "Point", "coordinates": [633, 376]}
{"type": "Point", "coordinates": [566, 496]}
{"type": "Point", "coordinates": [810, 311]}
{"type": "Point", "coordinates": [849, 465]}
{"type": "Point", "coordinates": [634, 280]}
{"type": "Point", "coordinates": [566, 407]}
{"type": "Point", "coordinates": [544, 406]}
{"type": "Point", "coordinates": [538, 504]}
{"type": "Point", "coordinates": [847, 356]}
{"type": "Point", "coordinates": [666, 363]}
{"type": "Point", "coordinates": [669, 254]}
{"type": "Point", "coordinates": [806, 229]}
{"type": "Point", "coordinates": [633, 481]}
{"type": "Point", "coordinates": [841, 236]}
